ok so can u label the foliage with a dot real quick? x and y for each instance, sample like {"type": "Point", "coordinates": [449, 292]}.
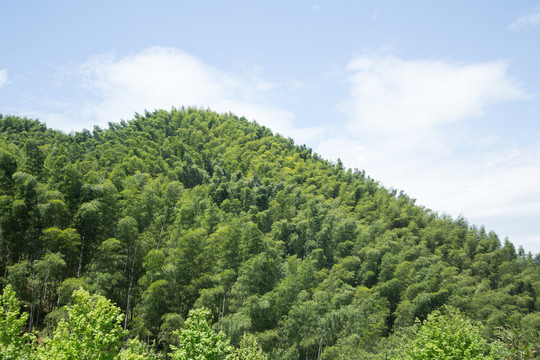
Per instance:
{"type": "Point", "coordinates": [14, 342]}
{"type": "Point", "coordinates": [249, 349]}
{"type": "Point", "coordinates": [183, 209]}
{"type": "Point", "coordinates": [518, 342]}
{"type": "Point", "coordinates": [92, 330]}
{"type": "Point", "coordinates": [198, 341]}
{"type": "Point", "coordinates": [446, 334]}
{"type": "Point", "coordinates": [135, 350]}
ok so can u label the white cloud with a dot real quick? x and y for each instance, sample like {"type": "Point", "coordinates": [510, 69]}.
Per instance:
{"type": "Point", "coordinates": [414, 125]}
{"type": "Point", "coordinates": [160, 78]}
{"type": "Point", "coordinates": [3, 77]}
{"type": "Point", "coordinates": [389, 94]}
{"type": "Point", "coordinates": [530, 19]}
{"type": "Point", "coordinates": [415, 110]}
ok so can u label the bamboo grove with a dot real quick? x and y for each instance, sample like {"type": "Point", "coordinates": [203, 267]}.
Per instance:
{"type": "Point", "coordinates": [264, 242]}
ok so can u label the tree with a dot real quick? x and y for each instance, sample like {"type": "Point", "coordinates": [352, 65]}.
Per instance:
{"type": "Point", "coordinates": [65, 241]}
{"type": "Point", "coordinates": [108, 270]}
{"type": "Point", "coordinates": [153, 304]}
{"type": "Point", "coordinates": [249, 350]}
{"type": "Point", "coordinates": [198, 341]}
{"type": "Point", "coordinates": [46, 276]}
{"type": "Point", "coordinates": [92, 330]}
{"type": "Point", "coordinates": [14, 343]}
{"type": "Point", "coordinates": [135, 350]}
{"type": "Point", "coordinates": [448, 335]}
{"type": "Point", "coordinates": [35, 158]}
{"type": "Point", "coordinates": [128, 233]}
{"type": "Point", "coordinates": [8, 167]}
{"type": "Point", "coordinates": [518, 341]}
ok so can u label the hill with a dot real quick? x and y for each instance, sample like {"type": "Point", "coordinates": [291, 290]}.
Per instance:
{"type": "Point", "coordinates": [185, 209]}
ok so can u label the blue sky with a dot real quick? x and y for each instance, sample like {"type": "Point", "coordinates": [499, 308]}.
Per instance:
{"type": "Point", "coordinates": [439, 99]}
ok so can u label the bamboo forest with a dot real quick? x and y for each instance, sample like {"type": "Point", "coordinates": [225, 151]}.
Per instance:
{"type": "Point", "coordinates": [190, 234]}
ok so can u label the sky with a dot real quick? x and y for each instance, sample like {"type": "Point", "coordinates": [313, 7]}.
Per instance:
{"type": "Point", "coordinates": [440, 99]}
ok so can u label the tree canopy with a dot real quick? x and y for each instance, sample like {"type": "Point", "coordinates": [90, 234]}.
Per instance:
{"type": "Point", "coordinates": [189, 219]}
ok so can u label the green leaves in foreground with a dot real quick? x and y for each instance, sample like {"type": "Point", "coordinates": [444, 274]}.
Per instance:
{"type": "Point", "coordinates": [14, 344]}
{"type": "Point", "coordinates": [92, 330]}
{"type": "Point", "coordinates": [198, 341]}
{"type": "Point", "coordinates": [249, 350]}
{"type": "Point", "coordinates": [447, 335]}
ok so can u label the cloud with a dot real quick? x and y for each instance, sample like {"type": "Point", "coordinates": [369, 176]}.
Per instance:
{"type": "Point", "coordinates": [160, 78]}
{"type": "Point", "coordinates": [3, 77]}
{"type": "Point", "coordinates": [389, 94]}
{"type": "Point", "coordinates": [420, 126]}
{"type": "Point", "coordinates": [530, 19]}
{"type": "Point", "coordinates": [412, 111]}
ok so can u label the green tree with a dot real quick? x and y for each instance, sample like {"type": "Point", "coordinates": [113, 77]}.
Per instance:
{"type": "Point", "coordinates": [65, 241]}
{"type": "Point", "coordinates": [135, 350]}
{"type": "Point", "coordinates": [8, 167]}
{"type": "Point", "coordinates": [518, 341]}
{"type": "Point", "coordinates": [108, 270]}
{"type": "Point", "coordinates": [447, 335]}
{"type": "Point", "coordinates": [35, 158]}
{"type": "Point", "coordinates": [249, 350]}
{"type": "Point", "coordinates": [154, 304]}
{"type": "Point", "coordinates": [14, 343]}
{"type": "Point", "coordinates": [92, 330]}
{"type": "Point", "coordinates": [198, 341]}
{"type": "Point", "coordinates": [46, 276]}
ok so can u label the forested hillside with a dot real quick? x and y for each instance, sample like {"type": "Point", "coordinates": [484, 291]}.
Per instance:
{"type": "Point", "coordinates": [189, 209]}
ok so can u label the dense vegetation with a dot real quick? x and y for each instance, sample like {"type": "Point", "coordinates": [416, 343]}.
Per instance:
{"type": "Point", "coordinates": [173, 222]}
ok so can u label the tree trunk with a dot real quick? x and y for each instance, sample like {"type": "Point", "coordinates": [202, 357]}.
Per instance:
{"type": "Point", "coordinates": [80, 259]}
{"type": "Point", "coordinates": [129, 288]}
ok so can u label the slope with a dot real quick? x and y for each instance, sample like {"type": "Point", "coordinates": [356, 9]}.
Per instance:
{"type": "Point", "coordinates": [189, 208]}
